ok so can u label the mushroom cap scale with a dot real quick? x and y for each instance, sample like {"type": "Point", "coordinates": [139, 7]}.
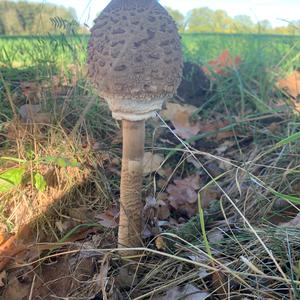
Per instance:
{"type": "Point", "coordinates": [135, 57]}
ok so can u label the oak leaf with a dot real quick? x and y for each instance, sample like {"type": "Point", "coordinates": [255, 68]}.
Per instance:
{"type": "Point", "coordinates": [291, 84]}
{"type": "Point", "coordinates": [152, 163]}
{"type": "Point", "coordinates": [183, 195]}
{"type": "Point", "coordinates": [180, 117]}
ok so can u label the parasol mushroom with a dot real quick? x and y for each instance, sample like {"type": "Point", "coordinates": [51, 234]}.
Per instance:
{"type": "Point", "coordinates": [135, 63]}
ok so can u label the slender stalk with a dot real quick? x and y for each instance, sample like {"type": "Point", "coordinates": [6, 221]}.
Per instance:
{"type": "Point", "coordinates": [130, 224]}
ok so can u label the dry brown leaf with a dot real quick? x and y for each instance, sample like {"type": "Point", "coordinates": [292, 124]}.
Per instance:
{"type": "Point", "coordinates": [215, 126]}
{"type": "Point", "coordinates": [163, 211]}
{"type": "Point", "coordinates": [32, 90]}
{"type": "Point", "coordinates": [4, 235]}
{"type": "Point", "coordinates": [274, 127]}
{"type": "Point", "coordinates": [291, 84]}
{"type": "Point", "coordinates": [10, 249]}
{"type": "Point", "coordinates": [126, 277]}
{"type": "Point", "coordinates": [172, 108]}
{"type": "Point", "coordinates": [32, 113]}
{"type": "Point", "coordinates": [154, 213]}
{"type": "Point", "coordinates": [155, 210]}
{"type": "Point", "coordinates": [207, 196]}
{"type": "Point", "coordinates": [81, 214]}
{"type": "Point", "coordinates": [3, 277]}
{"type": "Point", "coordinates": [215, 235]}
{"type": "Point", "coordinates": [109, 218]}
{"type": "Point", "coordinates": [150, 210]}
{"type": "Point", "coordinates": [54, 280]}
{"type": "Point", "coordinates": [152, 163]}
{"type": "Point", "coordinates": [295, 223]}
{"type": "Point", "coordinates": [187, 292]}
{"type": "Point", "coordinates": [65, 226]}
{"type": "Point", "coordinates": [180, 116]}
{"type": "Point", "coordinates": [160, 243]}
{"type": "Point", "coordinates": [16, 290]}
{"type": "Point", "coordinates": [183, 195]}
{"type": "Point", "coordinates": [220, 284]}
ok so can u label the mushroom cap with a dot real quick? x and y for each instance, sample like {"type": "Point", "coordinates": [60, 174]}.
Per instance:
{"type": "Point", "coordinates": [134, 57]}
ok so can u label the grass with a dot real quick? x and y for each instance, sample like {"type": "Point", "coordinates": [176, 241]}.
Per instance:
{"type": "Point", "coordinates": [237, 246]}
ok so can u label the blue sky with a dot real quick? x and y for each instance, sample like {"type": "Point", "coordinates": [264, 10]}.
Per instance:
{"type": "Point", "coordinates": [272, 10]}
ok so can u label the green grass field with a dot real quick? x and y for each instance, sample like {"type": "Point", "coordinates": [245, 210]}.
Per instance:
{"type": "Point", "coordinates": [28, 51]}
{"type": "Point", "coordinates": [60, 172]}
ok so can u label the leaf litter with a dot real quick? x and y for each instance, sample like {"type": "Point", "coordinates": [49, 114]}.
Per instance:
{"type": "Point", "coordinates": [291, 84]}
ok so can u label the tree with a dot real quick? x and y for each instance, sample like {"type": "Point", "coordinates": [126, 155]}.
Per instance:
{"type": "Point", "coordinates": [201, 20]}
{"type": "Point", "coordinates": [264, 26]}
{"type": "Point", "coordinates": [243, 23]}
{"type": "Point", "coordinates": [11, 22]}
{"type": "Point", "coordinates": [20, 18]}
{"type": "Point", "coordinates": [294, 27]}
{"type": "Point", "coordinates": [178, 17]}
{"type": "Point", "coordinates": [222, 21]}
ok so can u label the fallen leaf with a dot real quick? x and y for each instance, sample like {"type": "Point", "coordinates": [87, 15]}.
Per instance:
{"type": "Point", "coordinates": [32, 113]}
{"type": "Point", "coordinates": [172, 108]}
{"type": "Point", "coordinates": [163, 211]}
{"type": "Point", "coordinates": [187, 292]}
{"type": "Point", "coordinates": [54, 280]}
{"type": "Point", "coordinates": [109, 218]}
{"type": "Point", "coordinates": [146, 232]}
{"type": "Point", "coordinates": [152, 162]}
{"type": "Point", "coordinates": [216, 126]}
{"type": "Point", "coordinates": [154, 213]}
{"type": "Point", "coordinates": [127, 277]}
{"type": "Point", "coordinates": [274, 127]}
{"type": "Point", "coordinates": [215, 235]}
{"type": "Point", "coordinates": [156, 209]}
{"type": "Point", "coordinates": [207, 196]}
{"type": "Point", "coordinates": [295, 223]}
{"type": "Point", "coordinates": [62, 226]}
{"type": "Point", "coordinates": [291, 84]}
{"type": "Point", "coordinates": [150, 210]}
{"type": "Point", "coordinates": [221, 149]}
{"type": "Point", "coordinates": [160, 243]}
{"type": "Point", "coordinates": [221, 64]}
{"type": "Point", "coordinates": [81, 213]}
{"type": "Point", "coordinates": [9, 249]}
{"type": "Point", "coordinates": [32, 90]}
{"type": "Point", "coordinates": [183, 195]}
{"type": "Point", "coordinates": [4, 235]}
{"type": "Point", "coordinates": [26, 111]}
{"type": "Point", "coordinates": [16, 290]}
{"type": "Point", "coordinates": [180, 116]}
{"type": "Point", "coordinates": [3, 277]}
{"type": "Point", "coordinates": [220, 284]}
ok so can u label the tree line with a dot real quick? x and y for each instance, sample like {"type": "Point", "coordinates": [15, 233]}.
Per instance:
{"type": "Point", "coordinates": [205, 19]}
{"type": "Point", "coordinates": [23, 18]}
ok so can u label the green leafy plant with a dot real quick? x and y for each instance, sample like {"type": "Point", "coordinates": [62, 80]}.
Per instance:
{"type": "Point", "coordinates": [13, 177]}
{"type": "Point", "coordinates": [40, 182]}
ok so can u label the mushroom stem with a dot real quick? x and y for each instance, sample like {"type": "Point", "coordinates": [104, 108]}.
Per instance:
{"type": "Point", "coordinates": [130, 225]}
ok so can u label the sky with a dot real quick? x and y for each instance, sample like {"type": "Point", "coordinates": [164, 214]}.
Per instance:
{"type": "Point", "coordinates": [272, 10]}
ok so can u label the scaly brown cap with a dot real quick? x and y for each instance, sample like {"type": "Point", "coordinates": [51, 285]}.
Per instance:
{"type": "Point", "coordinates": [135, 57]}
